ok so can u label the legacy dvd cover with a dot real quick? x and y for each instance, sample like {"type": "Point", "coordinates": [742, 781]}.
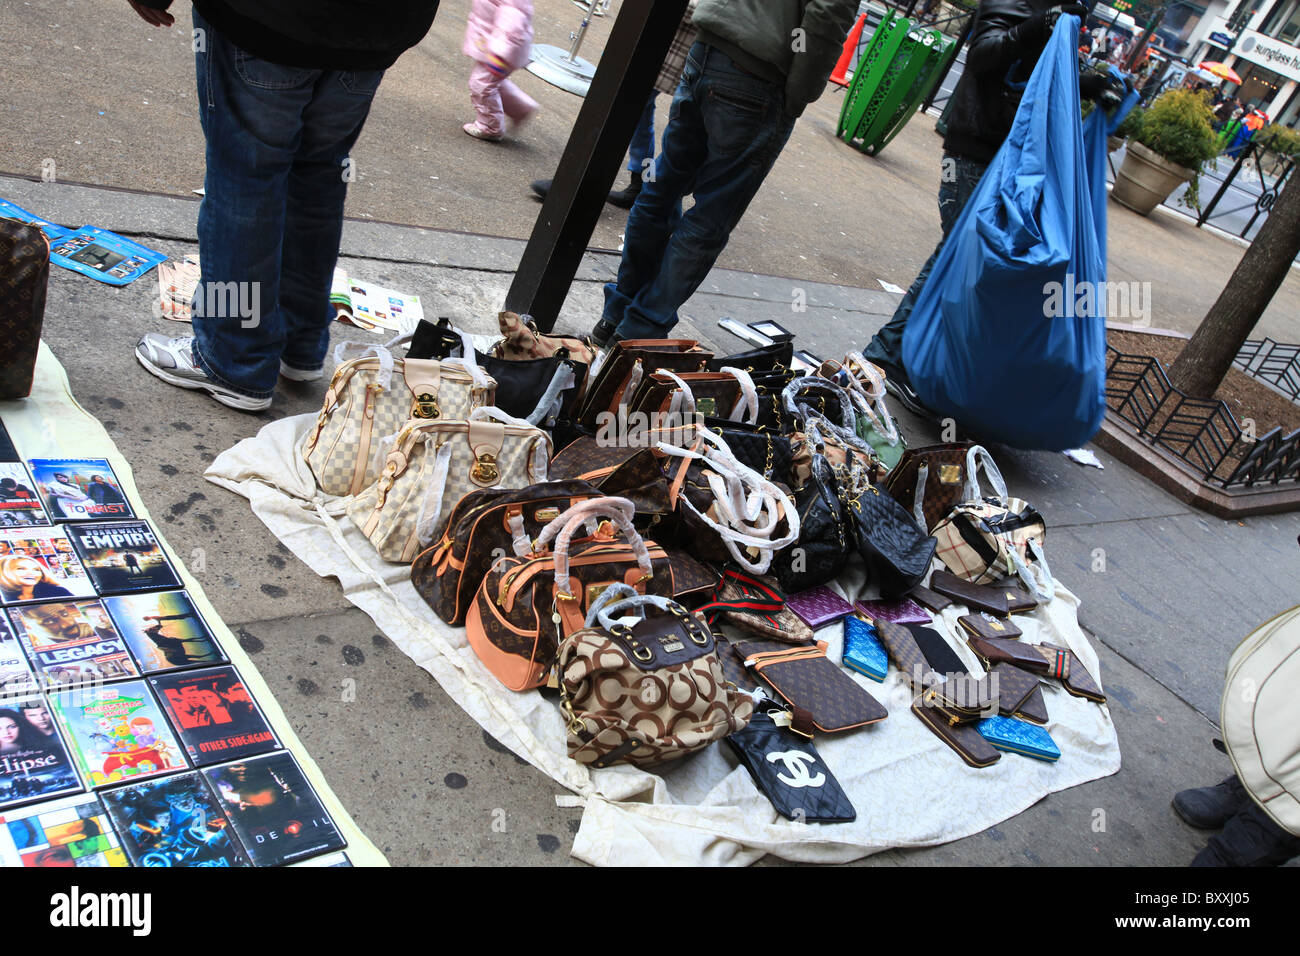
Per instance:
{"type": "Point", "coordinates": [39, 564]}
{"type": "Point", "coordinates": [214, 715]}
{"type": "Point", "coordinates": [164, 630]}
{"type": "Point", "coordinates": [72, 642]}
{"type": "Point", "coordinates": [123, 556]}
{"type": "Point", "coordinates": [276, 813]}
{"type": "Point", "coordinates": [34, 763]}
{"type": "Point", "coordinates": [80, 489]}
{"type": "Point", "coordinates": [19, 505]}
{"type": "Point", "coordinates": [116, 733]}
{"type": "Point", "coordinates": [173, 822]}
{"type": "Point", "coordinates": [72, 831]}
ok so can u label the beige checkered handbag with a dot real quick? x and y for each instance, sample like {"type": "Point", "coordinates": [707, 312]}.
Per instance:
{"type": "Point", "coordinates": [989, 537]}
{"type": "Point", "coordinates": [371, 397]}
{"type": "Point", "coordinates": [433, 464]}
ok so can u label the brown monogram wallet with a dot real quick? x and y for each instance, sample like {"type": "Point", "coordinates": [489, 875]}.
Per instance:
{"type": "Point", "coordinates": [985, 624]}
{"type": "Point", "coordinates": [977, 597]}
{"type": "Point", "coordinates": [805, 678]}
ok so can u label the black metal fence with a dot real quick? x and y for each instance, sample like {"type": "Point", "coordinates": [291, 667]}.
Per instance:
{"type": "Point", "coordinates": [1204, 435]}
{"type": "Point", "coordinates": [1248, 191]}
{"type": "Point", "coordinates": [1272, 362]}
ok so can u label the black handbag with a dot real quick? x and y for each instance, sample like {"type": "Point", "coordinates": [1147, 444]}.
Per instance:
{"type": "Point", "coordinates": [767, 452]}
{"type": "Point", "coordinates": [765, 358]}
{"type": "Point", "coordinates": [521, 385]}
{"type": "Point", "coordinates": [896, 549]}
{"type": "Point", "coordinates": [824, 536]}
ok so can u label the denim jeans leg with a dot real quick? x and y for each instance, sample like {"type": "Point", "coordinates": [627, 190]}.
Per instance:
{"type": "Point", "coordinates": [657, 209]}
{"type": "Point", "coordinates": [955, 188]}
{"type": "Point", "coordinates": [250, 112]}
{"type": "Point", "coordinates": [745, 128]}
{"type": "Point", "coordinates": [641, 151]}
{"type": "Point", "coordinates": [314, 214]}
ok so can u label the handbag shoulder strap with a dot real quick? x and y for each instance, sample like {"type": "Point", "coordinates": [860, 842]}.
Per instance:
{"type": "Point", "coordinates": [975, 456]}
{"type": "Point", "coordinates": [747, 405]}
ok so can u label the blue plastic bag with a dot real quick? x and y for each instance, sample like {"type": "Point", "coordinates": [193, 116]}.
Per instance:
{"type": "Point", "coordinates": [1008, 334]}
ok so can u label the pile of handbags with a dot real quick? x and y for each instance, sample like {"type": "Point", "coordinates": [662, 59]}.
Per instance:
{"type": "Point", "coordinates": [621, 528]}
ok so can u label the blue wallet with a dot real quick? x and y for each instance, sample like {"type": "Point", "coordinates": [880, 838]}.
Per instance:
{"type": "Point", "coordinates": [1019, 737]}
{"type": "Point", "coordinates": [863, 652]}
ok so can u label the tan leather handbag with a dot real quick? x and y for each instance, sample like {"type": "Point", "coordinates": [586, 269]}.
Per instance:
{"type": "Point", "coordinates": [645, 692]}
{"type": "Point", "coordinates": [527, 605]}
{"type": "Point", "coordinates": [433, 464]}
{"type": "Point", "coordinates": [371, 397]}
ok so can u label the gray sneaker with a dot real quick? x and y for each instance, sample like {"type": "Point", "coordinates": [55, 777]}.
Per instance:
{"type": "Point", "coordinates": [172, 360]}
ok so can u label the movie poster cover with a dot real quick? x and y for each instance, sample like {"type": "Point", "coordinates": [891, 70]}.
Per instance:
{"type": "Point", "coordinates": [19, 505]}
{"type": "Point", "coordinates": [16, 677]}
{"type": "Point", "coordinates": [173, 822]}
{"type": "Point", "coordinates": [71, 643]}
{"type": "Point", "coordinates": [213, 714]}
{"type": "Point", "coordinates": [73, 831]}
{"type": "Point", "coordinates": [34, 764]}
{"type": "Point", "coordinates": [80, 489]}
{"type": "Point", "coordinates": [276, 813]}
{"type": "Point", "coordinates": [123, 556]}
{"type": "Point", "coordinates": [117, 733]}
{"type": "Point", "coordinates": [164, 631]}
{"type": "Point", "coordinates": [39, 564]}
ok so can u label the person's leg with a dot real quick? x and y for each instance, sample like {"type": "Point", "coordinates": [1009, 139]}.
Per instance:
{"type": "Point", "coordinates": [485, 94]}
{"type": "Point", "coordinates": [517, 104]}
{"type": "Point", "coordinates": [956, 184]}
{"type": "Point", "coordinates": [250, 111]}
{"type": "Point", "coordinates": [641, 150]}
{"type": "Point", "coordinates": [651, 220]}
{"type": "Point", "coordinates": [745, 128]}
{"type": "Point", "coordinates": [317, 188]}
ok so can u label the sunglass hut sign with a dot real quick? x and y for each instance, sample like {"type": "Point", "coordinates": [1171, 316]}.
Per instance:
{"type": "Point", "coordinates": [1270, 53]}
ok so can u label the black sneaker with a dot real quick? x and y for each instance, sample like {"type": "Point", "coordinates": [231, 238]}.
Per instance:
{"type": "Point", "coordinates": [541, 187]}
{"type": "Point", "coordinates": [896, 384]}
{"type": "Point", "coordinates": [1250, 838]}
{"type": "Point", "coordinates": [626, 198]}
{"type": "Point", "coordinates": [602, 333]}
{"type": "Point", "coordinates": [1209, 808]}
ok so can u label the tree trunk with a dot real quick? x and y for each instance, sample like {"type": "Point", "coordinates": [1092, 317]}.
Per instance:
{"type": "Point", "coordinates": [1205, 360]}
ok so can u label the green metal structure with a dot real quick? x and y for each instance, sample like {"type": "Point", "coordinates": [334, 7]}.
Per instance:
{"type": "Point", "coordinates": [892, 77]}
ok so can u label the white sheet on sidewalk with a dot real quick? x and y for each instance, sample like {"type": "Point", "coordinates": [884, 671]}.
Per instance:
{"type": "Point", "coordinates": [908, 788]}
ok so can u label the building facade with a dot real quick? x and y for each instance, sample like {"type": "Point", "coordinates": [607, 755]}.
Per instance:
{"type": "Point", "coordinates": [1258, 38]}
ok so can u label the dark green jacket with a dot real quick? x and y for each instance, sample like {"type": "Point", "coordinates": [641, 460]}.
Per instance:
{"type": "Point", "coordinates": [795, 42]}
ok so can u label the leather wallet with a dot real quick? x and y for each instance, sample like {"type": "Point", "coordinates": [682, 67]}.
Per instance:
{"type": "Point", "coordinates": [818, 606]}
{"type": "Point", "coordinates": [929, 598]}
{"type": "Point", "coordinates": [1017, 737]}
{"type": "Point", "coordinates": [1018, 597]}
{"type": "Point", "coordinates": [805, 678]}
{"type": "Point", "coordinates": [787, 769]}
{"type": "Point", "coordinates": [904, 611]}
{"type": "Point", "coordinates": [919, 652]}
{"type": "Point", "coordinates": [1066, 667]}
{"type": "Point", "coordinates": [985, 624]}
{"type": "Point", "coordinates": [1019, 694]}
{"type": "Point", "coordinates": [963, 738]}
{"type": "Point", "coordinates": [993, 650]}
{"type": "Point", "coordinates": [964, 698]}
{"type": "Point", "coordinates": [863, 652]}
{"type": "Point", "coordinates": [938, 654]}
{"type": "Point", "coordinates": [977, 597]}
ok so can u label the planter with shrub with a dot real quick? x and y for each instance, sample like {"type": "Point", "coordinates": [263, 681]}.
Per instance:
{"type": "Point", "coordinates": [1170, 143]}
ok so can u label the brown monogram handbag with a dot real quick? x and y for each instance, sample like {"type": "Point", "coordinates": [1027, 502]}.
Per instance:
{"type": "Point", "coordinates": [24, 275]}
{"type": "Point", "coordinates": [646, 692]}
{"type": "Point", "coordinates": [613, 385]}
{"type": "Point", "coordinates": [527, 605]}
{"type": "Point", "coordinates": [933, 477]}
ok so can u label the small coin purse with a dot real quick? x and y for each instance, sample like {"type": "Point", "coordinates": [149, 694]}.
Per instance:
{"type": "Point", "coordinates": [863, 652]}
{"type": "Point", "coordinates": [1019, 737]}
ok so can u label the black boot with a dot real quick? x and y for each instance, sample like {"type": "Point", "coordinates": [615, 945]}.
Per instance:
{"type": "Point", "coordinates": [1250, 838]}
{"type": "Point", "coordinates": [624, 198]}
{"type": "Point", "coordinates": [541, 187]}
{"type": "Point", "coordinates": [1209, 808]}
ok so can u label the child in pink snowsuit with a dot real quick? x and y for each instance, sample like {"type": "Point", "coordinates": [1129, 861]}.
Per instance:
{"type": "Point", "coordinates": [500, 39]}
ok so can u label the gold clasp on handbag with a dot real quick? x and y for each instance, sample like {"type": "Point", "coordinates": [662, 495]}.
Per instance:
{"type": "Point", "coordinates": [386, 484]}
{"type": "Point", "coordinates": [485, 471]}
{"type": "Point", "coordinates": [426, 406]}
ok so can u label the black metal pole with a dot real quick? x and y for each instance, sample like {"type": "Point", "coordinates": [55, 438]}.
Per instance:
{"type": "Point", "coordinates": [961, 41]}
{"type": "Point", "coordinates": [637, 45]}
{"type": "Point", "coordinates": [1205, 213]}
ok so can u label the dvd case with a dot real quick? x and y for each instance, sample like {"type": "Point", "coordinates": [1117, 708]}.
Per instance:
{"type": "Point", "coordinates": [174, 821]}
{"type": "Point", "coordinates": [16, 677]}
{"type": "Point", "coordinates": [72, 831]}
{"type": "Point", "coordinates": [71, 643]}
{"type": "Point", "coordinates": [164, 630]}
{"type": "Point", "coordinates": [122, 556]}
{"type": "Point", "coordinates": [34, 763]}
{"type": "Point", "coordinates": [80, 489]}
{"type": "Point", "coordinates": [276, 813]}
{"type": "Point", "coordinates": [213, 714]}
{"type": "Point", "coordinates": [116, 733]}
{"type": "Point", "coordinates": [39, 564]}
{"type": "Point", "coordinates": [20, 507]}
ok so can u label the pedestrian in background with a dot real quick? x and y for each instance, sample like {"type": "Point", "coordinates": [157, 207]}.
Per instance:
{"type": "Point", "coordinates": [499, 38]}
{"type": "Point", "coordinates": [283, 91]}
{"type": "Point", "coordinates": [754, 69]}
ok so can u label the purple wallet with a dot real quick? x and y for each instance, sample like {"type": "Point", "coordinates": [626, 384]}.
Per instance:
{"type": "Point", "coordinates": [905, 611]}
{"type": "Point", "coordinates": [819, 606]}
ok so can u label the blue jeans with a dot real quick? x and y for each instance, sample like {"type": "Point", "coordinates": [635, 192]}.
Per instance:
{"type": "Point", "coordinates": [959, 179]}
{"type": "Point", "coordinates": [278, 139]}
{"type": "Point", "coordinates": [725, 129]}
{"type": "Point", "coordinates": [641, 151]}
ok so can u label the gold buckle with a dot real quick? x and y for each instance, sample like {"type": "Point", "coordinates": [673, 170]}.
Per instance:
{"type": "Point", "coordinates": [485, 470]}
{"type": "Point", "coordinates": [426, 406]}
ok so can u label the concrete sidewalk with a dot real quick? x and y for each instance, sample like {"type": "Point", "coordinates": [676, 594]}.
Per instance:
{"type": "Point", "coordinates": [1167, 593]}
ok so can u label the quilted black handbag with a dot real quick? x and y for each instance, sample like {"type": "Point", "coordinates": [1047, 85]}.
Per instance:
{"type": "Point", "coordinates": [896, 549]}
{"type": "Point", "coordinates": [824, 534]}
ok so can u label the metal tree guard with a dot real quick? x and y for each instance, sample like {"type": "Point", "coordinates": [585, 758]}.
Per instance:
{"type": "Point", "coordinates": [893, 76]}
{"type": "Point", "coordinates": [564, 68]}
